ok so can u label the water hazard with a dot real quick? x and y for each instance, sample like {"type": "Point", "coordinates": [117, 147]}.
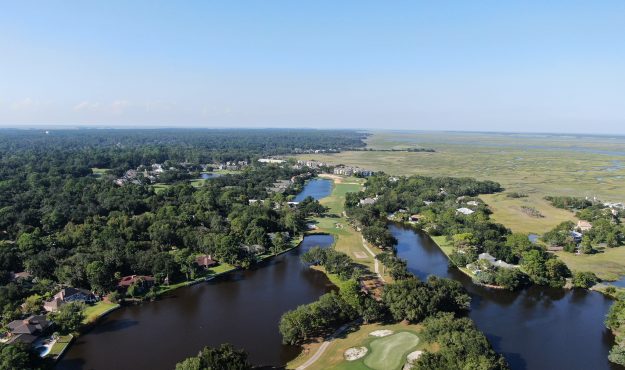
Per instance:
{"type": "Point", "coordinates": [242, 308]}
{"type": "Point", "coordinates": [537, 328]}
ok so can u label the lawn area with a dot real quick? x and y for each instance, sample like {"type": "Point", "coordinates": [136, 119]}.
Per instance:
{"type": "Point", "coordinates": [59, 346]}
{"type": "Point", "coordinates": [447, 248]}
{"type": "Point", "coordinates": [197, 182]}
{"type": "Point", "coordinates": [98, 172]}
{"type": "Point", "coordinates": [391, 351]}
{"type": "Point", "coordinates": [160, 187]}
{"type": "Point", "coordinates": [347, 240]}
{"type": "Point", "coordinates": [93, 312]}
{"type": "Point", "coordinates": [384, 353]}
{"type": "Point", "coordinates": [508, 211]}
{"type": "Point", "coordinates": [608, 264]}
{"type": "Point", "coordinates": [221, 268]}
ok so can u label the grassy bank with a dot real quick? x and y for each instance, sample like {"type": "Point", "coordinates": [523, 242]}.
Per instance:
{"type": "Point", "coordinates": [97, 310]}
{"type": "Point", "coordinates": [60, 346]}
{"type": "Point", "coordinates": [448, 248]}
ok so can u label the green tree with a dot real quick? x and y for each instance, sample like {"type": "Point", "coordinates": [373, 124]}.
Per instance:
{"type": "Point", "coordinates": [224, 357]}
{"type": "Point", "coordinates": [584, 279]}
{"type": "Point", "coordinates": [69, 317]}
{"type": "Point", "coordinates": [18, 356]}
{"type": "Point", "coordinates": [407, 300]}
{"type": "Point", "coordinates": [100, 276]}
{"type": "Point", "coordinates": [33, 304]}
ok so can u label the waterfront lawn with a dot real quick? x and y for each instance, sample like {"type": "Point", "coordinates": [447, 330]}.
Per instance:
{"type": "Point", "coordinates": [607, 264]}
{"type": "Point", "coordinates": [447, 248]}
{"type": "Point", "coordinates": [93, 312]}
{"type": "Point", "coordinates": [384, 353]}
{"type": "Point", "coordinates": [60, 345]}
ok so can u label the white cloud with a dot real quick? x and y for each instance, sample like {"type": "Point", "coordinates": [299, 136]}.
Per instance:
{"type": "Point", "coordinates": [24, 104]}
{"type": "Point", "coordinates": [86, 106]}
{"type": "Point", "coordinates": [119, 106]}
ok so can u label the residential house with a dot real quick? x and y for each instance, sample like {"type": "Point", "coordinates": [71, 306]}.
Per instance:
{"type": "Point", "coordinates": [583, 226]}
{"type": "Point", "coordinates": [205, 261]}
{"type": "Point", "coordinates": [368, 201]}
{"type": "Point", "coordinates": [416, 218]}
{"type": "Point", "coordinates": [271, 160]}
{"type": "Point", "coordinates": [473, 203]}
{"type": "Point", "coordinates": [127, 281]}
{"type": "Point", "coordinates": [27, 330]}
{"type": "Point", "coordinates": [577, 236]}
{"type": "Point", "coordinates": [67, 295]}
{"type": "Point", "coordinates": [465, 211]}
{"type": "Point", "coordinates": [495, 262]}
{"type": "Point", "coordinates": [20, 275]}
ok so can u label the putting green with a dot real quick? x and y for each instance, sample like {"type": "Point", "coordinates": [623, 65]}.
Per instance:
{"type": "Point", "coordinates": [390, 352]}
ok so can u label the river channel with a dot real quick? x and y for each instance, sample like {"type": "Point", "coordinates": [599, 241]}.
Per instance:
{"type": "Point", "coordinates": [242, 308]}
{"type": "Point", "coordinates": [536, 328]}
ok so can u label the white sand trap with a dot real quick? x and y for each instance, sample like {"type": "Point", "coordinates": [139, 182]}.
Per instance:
{"type": "Point", "coordinates": [360, 255]}
{"type": "Point", "coordinates": [381, 333]}
{"type": "Point", "coordinates": [413, 356]}
{"type": "Point", "coordinates": [355, 353]}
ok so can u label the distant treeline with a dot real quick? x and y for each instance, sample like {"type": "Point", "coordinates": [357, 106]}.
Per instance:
{"type": "Point", "coordinates": [411, 150]}
{"type": "Point", "coordinates": [134, 147]}
{"type": "Point", "coordinates": [569, 203]}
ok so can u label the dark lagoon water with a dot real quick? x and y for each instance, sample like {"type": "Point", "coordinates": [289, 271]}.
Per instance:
{"type": "Point", "coordinates": [242, 308]}
{"type": "Point", "coordinates": [537, 328]}
{"type": "Point", "coordinates": [209, 175]}
{"type": "Point", "coordinates": [316, 188]}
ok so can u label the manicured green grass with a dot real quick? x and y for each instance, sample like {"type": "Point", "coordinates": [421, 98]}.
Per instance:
{"type": "Point", "coordinates": [94, 311]}
{"type": "Point", "coordinates": [347, 240]}
{"type": "Point", "coordinates": [99, 172]}
{"type": "Point", "coordinates": [221, 268]}
{"type": "Point", "coordinates": [390, 352]}
{"type": "Point", "coordinates": [197, 182]}
{"type": "Point", "coordinates": [333, 357]}
{"type": "Point", "coordinates": [447, 248]}
{"type": "Point", "coordinates": [158, 187]}
{"type": "Point", "coordinates": [59, 346]}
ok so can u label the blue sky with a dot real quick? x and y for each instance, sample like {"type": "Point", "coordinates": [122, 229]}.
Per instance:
{"type": "Point", "coordinates": [556, 66]}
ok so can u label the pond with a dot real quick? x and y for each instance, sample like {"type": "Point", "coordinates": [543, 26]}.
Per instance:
{"type": "Point", "coordinates": [209, 175]}
{"type": "Point", "coordinates": [316, 188]}
{"type": "Point", "coordinates": [537, 328]}
{"type": "Point", "coordinates": [243, 308]}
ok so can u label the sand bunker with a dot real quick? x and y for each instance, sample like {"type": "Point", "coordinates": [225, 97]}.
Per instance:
{"type": "Point", "coordinates": [412, 357]}
{"type": "Point", "coordinates": [355, 353]}
{"type": "Point", "coordinates": [381, 333]}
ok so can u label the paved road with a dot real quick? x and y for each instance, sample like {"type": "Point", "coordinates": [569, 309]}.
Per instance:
{"type": "Point", "coordinates": [322, 348]}
{"type": "Point", "coordinates": [376, 265]}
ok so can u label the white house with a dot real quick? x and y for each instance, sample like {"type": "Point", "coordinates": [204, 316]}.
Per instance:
{"type": "Point", "coordinates": [465, 211]}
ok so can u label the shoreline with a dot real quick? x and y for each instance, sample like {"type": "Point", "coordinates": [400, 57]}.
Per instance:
{"type": "Point", "coordinates": [94, 321]}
